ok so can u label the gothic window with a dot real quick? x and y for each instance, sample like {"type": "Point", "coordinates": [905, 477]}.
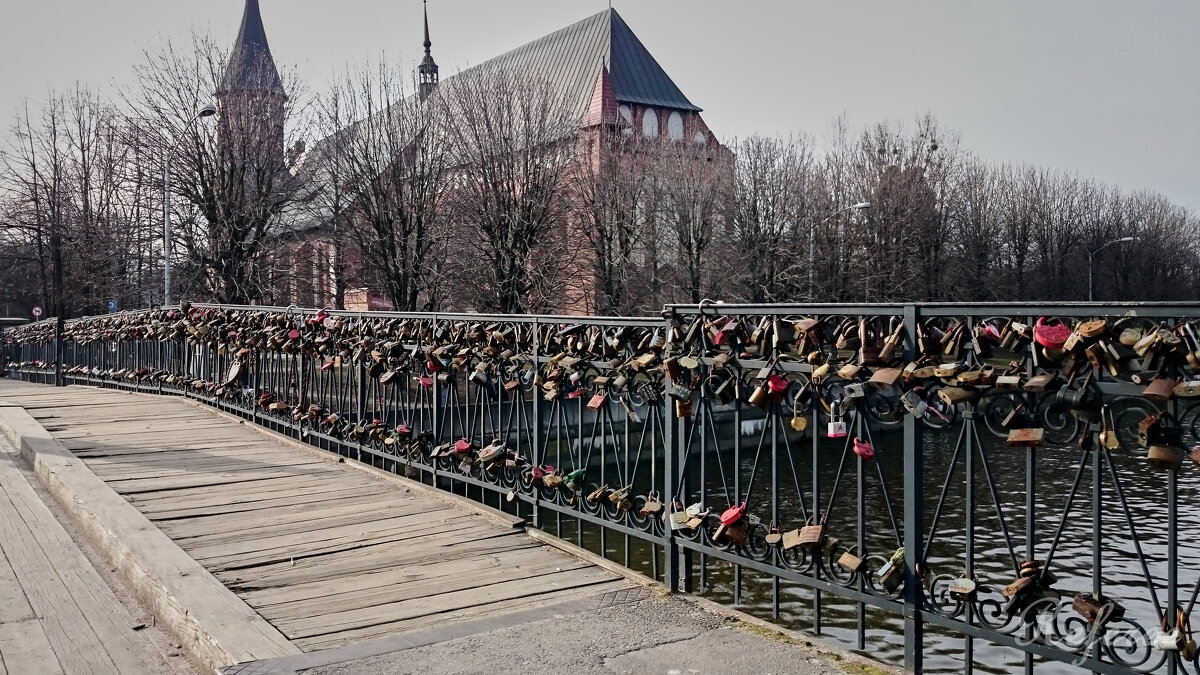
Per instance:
{"type": "Point", "coordinates": [650, 124]}
{"type": "Point", "coordinates": [675, 126]}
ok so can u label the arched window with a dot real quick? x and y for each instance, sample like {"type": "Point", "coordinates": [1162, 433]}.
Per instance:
{"type": "Point", "coordinates": [675, 126]}
{"type": "Point", "coordinates": [650, 124]}
{"type": "Point", "coordinates": [700, 138]}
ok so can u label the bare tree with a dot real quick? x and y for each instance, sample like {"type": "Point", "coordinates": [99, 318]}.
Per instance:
{"type": "Point", "coordinates": [692, 186]}
{"type": "Point", "coordinates": [611, 199]}
{"type": "Point", "coordinates": [513, 145]}
{"type": "Point", "coordinates": [769, 202]}
{"type": "Point", "coordinates": [236, 183]}
{"type": "Point", "coordinates": [384, 163]}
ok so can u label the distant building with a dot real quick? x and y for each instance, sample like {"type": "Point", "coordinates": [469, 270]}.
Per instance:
{"type": "Point", "coordinates": [605, 73]}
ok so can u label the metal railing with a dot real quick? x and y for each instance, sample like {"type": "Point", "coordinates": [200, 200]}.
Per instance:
{"type": "Point", "coordinates": [988, 483]}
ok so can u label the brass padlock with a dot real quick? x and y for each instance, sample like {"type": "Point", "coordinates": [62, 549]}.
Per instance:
{"type": "Point", "coordinates": [851, 562]}
{"type": "Point", "coordinates": [812, 534]}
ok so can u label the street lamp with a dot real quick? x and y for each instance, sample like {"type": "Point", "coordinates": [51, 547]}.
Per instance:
{"type": "Point", "coordinates": [207, 111]}
{"type": "Point", "coordinates": [812, 239]}
{"type": "Point", "coordinates": [1092, 254]}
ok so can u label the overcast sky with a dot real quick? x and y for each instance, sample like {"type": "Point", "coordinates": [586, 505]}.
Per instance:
{"type": "Point", "coordinates": [1107, 88]}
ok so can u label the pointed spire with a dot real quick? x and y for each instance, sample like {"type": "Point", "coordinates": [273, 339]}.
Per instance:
{"type": "Point", "coordinates": [428, 70]}
{"type": "Point", "coordinates": [251, 66]}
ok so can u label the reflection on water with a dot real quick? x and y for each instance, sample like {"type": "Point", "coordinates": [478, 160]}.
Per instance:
{"type": "Point", "coordinates": [1124, 578]}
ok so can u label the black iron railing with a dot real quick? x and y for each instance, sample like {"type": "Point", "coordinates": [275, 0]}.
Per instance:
{"type": "Point", "coordinates": [972, 485]}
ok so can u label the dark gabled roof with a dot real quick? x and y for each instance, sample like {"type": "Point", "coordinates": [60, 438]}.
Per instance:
{"type": "Point", "coordinates": [251, 66]}
{"type": "Point", "coordinates": [572, 58]}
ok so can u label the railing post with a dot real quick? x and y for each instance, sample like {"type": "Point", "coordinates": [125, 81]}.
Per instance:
{"type": "Point", "coordinates": [535, 511]}
{"type": "Point", "coordinates": [914, 516]}
{"type": "Point", "coordinates": [58, 351]}
{"type": "Point", "coordinates": [673, 554]}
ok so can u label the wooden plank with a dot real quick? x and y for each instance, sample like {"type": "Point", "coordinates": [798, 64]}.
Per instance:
{"type": "Point", "coordinates": [198, 466]}
{"type": "Point", "coordinates": [465, 613]}
{"type": "Point", "coordinates": [160, 508]}
{"type": "Point", "coordinates": [305, 543]}
{"type": "Point", "coordinates": [95, 600]}
{"type": "Point", "coordinates": [360, 592]}
{"type": "Point", "coordinates": [285, 519]}
{"type": "Point", "coordinates": [159, 511]}
{"type": "Point", "coordinates": [14, 606]}
{"type": "Point", "coordinates": [214, 480]}
{"type": "Point", "coordinates": [290, 555]}
{"type": "Point", "coordinates": [494, 609]}
{"type": "Point", "coordinates": [387, 575]}
{"type": "Point", "coordinates": [78, 647]}
{"type": "Point", "coordinates": [395, 553]}
{"type": "Point", "coordinates": [25, 649]}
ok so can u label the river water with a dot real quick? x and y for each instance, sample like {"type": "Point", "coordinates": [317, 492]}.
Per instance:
{"type": "Point", "coordinates": [1144, 488]}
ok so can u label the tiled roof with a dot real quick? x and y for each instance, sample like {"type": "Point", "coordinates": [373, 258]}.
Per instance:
{"type": "Point", "coordinates": [574, 56]}
{"type": "Point", "coordinates": [251, 66]}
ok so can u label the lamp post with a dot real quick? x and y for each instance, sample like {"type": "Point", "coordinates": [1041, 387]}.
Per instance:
{"type": "Point", "coordinates": [207, 111]}
{"type": "Point", "coordinates": [812, 239]}
{"type": "Point", "coordinates": [1092, 255]}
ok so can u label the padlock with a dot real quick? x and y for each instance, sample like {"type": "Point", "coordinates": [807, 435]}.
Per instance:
{"type": "Point", "coordinates": [963, 589]}
{"type": "Point", "coordinates": [1097, 610]}
{"type": "Point", "coordinates": [864, 449]}
{"type": "Point", "coordinates": [849, 371]}
{"type": "Point", "coordinates": [597, 401]}
{"type": "Point", "coordinates": [914, 404]}
{"type": "Point", "coordinates": [1027, 437]}
{"type": "Point", "coordinates": [1108, 430]}
{"type": "Point", "coordinates": [1149, 430]}
{"type": "Point", "coordinates": [885, 378]}
{"type": "Point", "coordinates": [837, 429]}
{"type": "Point", "coordinates": [1169, 639]}
{"type": "Point", "coordinates": [1160, 389]}
{"type": "Point", "coordinates": [791, 539]}
{"type": "Point", "coordinates": [1166, 457]}
{"type": "Point", "coordinates": [574, 480]}
{"type": "Point", "coordinates": [851, 561]}
{"type": "Point", "coordinates": [812, 534]}
{"type": "Point", "coordinates": [891, 575]}
{"type": "Point", "coordinates": [733, 514]}
{"type": "Point", "coordinates": [855, 391]}
{"type": "Point", "coordinates": [955, 395]}
{"type": "Point", "coordinates": [598, 494]}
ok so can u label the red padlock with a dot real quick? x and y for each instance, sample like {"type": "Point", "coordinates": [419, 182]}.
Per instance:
{"type": "Point", "coordinates": [863, 449]}
{"type": "Point", "coordinates": [1051, 335]}
{"type": "Point", "coordinates": [733, 514]}
{"type": "Point", "coordinates": [404, 430]}
{"type": "Point", "coordinates": [462, 445]}
{"type": "Point", "coordinates": [777, 385]}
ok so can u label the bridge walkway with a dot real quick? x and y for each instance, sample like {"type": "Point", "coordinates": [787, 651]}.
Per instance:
{"type": "Point", "coordinates": [326, 554]}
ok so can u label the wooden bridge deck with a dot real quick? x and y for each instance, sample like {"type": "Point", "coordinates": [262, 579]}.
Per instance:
{"type": "Point", "coordinates": [327, 554]}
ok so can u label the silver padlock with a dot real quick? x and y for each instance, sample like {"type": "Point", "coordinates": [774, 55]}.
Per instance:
{"type": "Point", "coordinates": [855, 391]}
{"type": "Point", "coordinates": [914, 404]}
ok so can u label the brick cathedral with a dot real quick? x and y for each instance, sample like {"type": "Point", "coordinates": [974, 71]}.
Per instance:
{"type": "Point", "coordinates": [601, 68]}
